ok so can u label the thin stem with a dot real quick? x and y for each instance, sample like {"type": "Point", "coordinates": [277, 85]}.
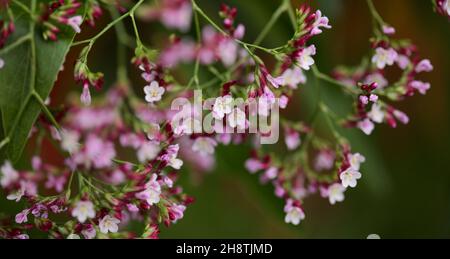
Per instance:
{"type": "Point", "coordinates": [23, 7]}
{"type": "Point", "coordinates": [375, 13]}
{"type": "Point", "coordinates": [17, 43]}
{"type": "Point", "coordinates": [110, 25]}
{"type": "Point", "coordinates": [283, 8]}
{"type": "Point", "coordinates": [333, 81]}
{"type": "Point", "coordinates": [4, 142]}
{"type": "Point", "coordinates": [291, 13]}
{"type": "Point", "coordinates": [46, 110]}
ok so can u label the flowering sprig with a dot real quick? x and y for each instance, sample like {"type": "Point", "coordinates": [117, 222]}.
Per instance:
{"type": "Point", "coordinates": [97, 194]}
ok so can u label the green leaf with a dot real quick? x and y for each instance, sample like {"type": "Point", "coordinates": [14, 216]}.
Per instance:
{"type": "Point", "coordinates": [31, 67]}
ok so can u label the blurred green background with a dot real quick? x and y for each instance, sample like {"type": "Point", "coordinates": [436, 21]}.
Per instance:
{"type": "Point", "coordinates": [405, 190]}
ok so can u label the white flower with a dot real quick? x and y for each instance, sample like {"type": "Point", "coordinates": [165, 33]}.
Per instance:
{"type": "Point", "coordinates": [2, 63]}
{"type": "Point", "coordinates": [336, 193]}
{"type": "Point", "coordinates": [8, 174]}
{"type": "Point", "coordinates": [204, 146]}
{"type": "Point", "coordinates": [222, 106]}
{"type": "Point", "coordinates": [75, 22]}
{"type": "Point", "coordinates": [384, 57]}
{"type": "Point", "coordinates": [175, 163]}
{"type": "Point", "coordinates": [376, 114]}
{"type": "Point", "coordinates": [109, 224]}
{"type": "Point", "coordinates": [73, 236]}
{"type": "Point", "coordinates": [16, 196]}
{"type": "Point", "coordinates": [349, 177]}
{"type": "Point", "coordinates": [83, 210]}
{"type": "Point", "coordinates": [305, 60]}
{"type": "Point", "coordinates": [147, 151]}
{"type": "Point", "coordinates": [172, 159]}
{"type": "Point", "coordinates": [294, 215]}
{"type": "Point", "coordinates": [153, 131]}
{"type": "Point", "coordinates": [70, 141]}
{"type": "Point", "coordinates": [153, 92]}
{"type": "Point", "coordinates": [293, 77]}
{"type": "Point", "coordinates": [356, 160]}
{"type": "Point", "coordinates": [237, 119]}
{"type": "Point", "coordinates": [152, 191]}
{"type": "Point", "coordinates": [366, 126]}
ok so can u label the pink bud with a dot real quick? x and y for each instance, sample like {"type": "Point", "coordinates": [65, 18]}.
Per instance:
{"type": "Point", "coordinates": [86, 95]}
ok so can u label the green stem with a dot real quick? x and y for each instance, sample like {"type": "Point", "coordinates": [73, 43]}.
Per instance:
{"type": "Point", "coordinates": [291, 13]}
{"type": "Point", "coordinates": [17, 43]}
{"type": "Point", "coordinates": [333, 81]}
{"type": "Point", "coordinates": [46, 110]}
{"type": "Point", "coordinates": [23, 7]}
{"type": "Point", "coordinates": [110, 25]}
{"type": "Point", "coordinates": [283, 7]}
{"type": "Point", "coordinates": [375, 13]}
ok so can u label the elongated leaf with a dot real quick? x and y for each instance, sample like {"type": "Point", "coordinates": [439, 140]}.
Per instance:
{"type": "Point", "coordinates": [31, 66]}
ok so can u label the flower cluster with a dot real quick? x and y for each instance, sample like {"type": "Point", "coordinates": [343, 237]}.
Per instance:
{"type": "Point", "coordinates": [110, 193]}
{"type": "Point", "coordinates": [374, 87]}
{"type": "Point", "coordinates": [57, 13]}
{"type": "Point", "coordinates": [95, 194]}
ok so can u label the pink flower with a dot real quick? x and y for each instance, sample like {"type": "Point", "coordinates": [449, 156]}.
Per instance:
{"type": "Point", "coordinates": [75, 22]}
{"type": "Point", "coordinates": [275, 81]}
{"type": "Point", "coordinates": [292, 139]}
{"type": "Point", "coordinates": [177, 15]}
{"type": "Point", "coordinates": [424, 66]}
{"type": "Point", "coordinates": [85, 97]}
{"type": "Point", "coordinates": [378, 78]}
{"type": "Point", "coordinates": [403, 61]}
{"type": "Point", "coordinates": [176, 212]}
{"type": "Point", "coordinates": [283, 101]}
{"type": "Point", "coordinates": [253, 165]}
{"type": "Point", "coordinates": [401, 116]}
{"type": "Point", "coordinates": [388, 30]}
{"type": "Point", "coordinates": [227, 51]}
{"type": "Point", "coordinates": [22, 216]}
{"type": "Point", "coordinates": [99, 152]}
{"type": "Point", "coordinates": [56, 182]}
{"type": "Point", "coordinates": [384, 57]}
{"type": "Point", "coordinates": [420, 86]}
{"type": "Point", "coordinates": [152, 191]}
{"type": "Point", "coordinates": [325, 160]}
{"type": "Point", "coordinates": [321, 21]}
{"type": "Point", "coordinates": [8, 174]}
{"type": "Point", "coordinates": [89, 232]}
{"type": "Point", "coordinates": [2, 63]}
{"type": "Point", "coordinates": [239, 32]}
{"type": "Point", "coordinates": [271, 173]}
{"type": "Point", "coordinates": [366, 126]}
